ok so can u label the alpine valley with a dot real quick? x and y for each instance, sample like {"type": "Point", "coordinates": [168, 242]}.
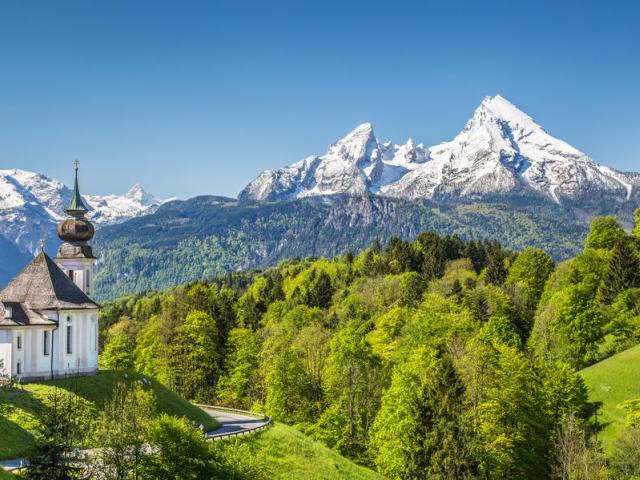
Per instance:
{"type": "Point", "coordinates": [502, 177]}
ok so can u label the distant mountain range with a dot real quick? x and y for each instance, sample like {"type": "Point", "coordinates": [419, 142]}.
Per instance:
{"type": "Point", "coordinates": [31, 205]}
{"type": "Point", "coordinates": [503, 176]}
{"type": "Point", "coordinates": [501, 152]}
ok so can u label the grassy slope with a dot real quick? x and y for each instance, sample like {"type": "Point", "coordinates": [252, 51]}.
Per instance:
{"type": "Point", "coordinates": [19, 409]}
{"type": "Point", "coordinates": [611, 382]}
{"type": "Point", "coordinates": [5, 475]}
{"type": "Point", "coordinates": [288, 454]}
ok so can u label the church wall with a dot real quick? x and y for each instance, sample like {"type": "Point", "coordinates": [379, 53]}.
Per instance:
{"type": "Point", "coordinates": [83, 357]}
{"type": "Point", "coordinates": [6, 350]}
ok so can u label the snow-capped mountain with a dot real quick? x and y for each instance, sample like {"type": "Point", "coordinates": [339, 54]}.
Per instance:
{"type": "Point", "coordinates": [31, 205]}
{"type": "Point", "coordinates": [500, 152]}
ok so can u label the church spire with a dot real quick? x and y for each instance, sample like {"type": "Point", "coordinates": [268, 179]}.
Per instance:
{"type": "Point", "coordinates": [77, 207]}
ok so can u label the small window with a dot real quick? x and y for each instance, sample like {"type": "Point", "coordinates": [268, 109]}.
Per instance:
{"type": "Point", "coordinates": [45, 344]}
{"type": "Point", "coordinates": [71, 274]}
{"type": "Point", "coordinates": [19, 342]}
{"type": "Point", "coordinates": [19, 368]}
{"type": "Point", "coordinates": [87, 281]}
{"type": "Point", "coordinates": [8, 312]}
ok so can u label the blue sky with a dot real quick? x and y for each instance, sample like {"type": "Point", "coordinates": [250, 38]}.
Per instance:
{"type": "Point", "coordinates": [192, 97]}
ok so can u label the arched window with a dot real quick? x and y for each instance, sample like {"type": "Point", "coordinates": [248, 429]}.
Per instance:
{"type": "Point", "coordinates": [19, 342]}
{"type": "Point", "coordinates": [69, 336]}
{"type": "Point", "coordinates": [19, 367]}
{"type": "Point", "coordinates": [45, 343]}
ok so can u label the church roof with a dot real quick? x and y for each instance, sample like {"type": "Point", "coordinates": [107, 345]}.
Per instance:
{"type": "Point", "coordinates": [22, 315]}
{"type": "Point", "coordinates": [43, 286]}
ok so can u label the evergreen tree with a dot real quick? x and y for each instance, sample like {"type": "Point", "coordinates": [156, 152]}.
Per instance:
{"type": "Point", "coordinates": [419, 431]}
{"type": "Point", "coordinates": [496, 272]}
{"type": "Point", "coordinates": [320, 291]}
{"type": "Point", "coordinates": [622, 273]}
{"type": "Point", "coordinates": [61, 429]}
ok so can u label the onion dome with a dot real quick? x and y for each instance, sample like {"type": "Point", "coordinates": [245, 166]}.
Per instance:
{"type": "Point", "coordinates": [76, 230]}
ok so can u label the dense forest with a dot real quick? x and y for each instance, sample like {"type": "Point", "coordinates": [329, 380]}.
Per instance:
{"type": "Point", "coordinates": [205, 237]}
{"type": "Point", "coordinates": [435, 358]}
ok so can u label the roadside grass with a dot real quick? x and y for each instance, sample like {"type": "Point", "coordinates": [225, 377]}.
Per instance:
{"type": "Point", "coordinates": [288, 454]}
{"type": "Point", "coordinates": [5, 475]}
{"type": "Point", "coordinates": [611, 382]}
{"type": "Point", "coordinates": [20, 410]}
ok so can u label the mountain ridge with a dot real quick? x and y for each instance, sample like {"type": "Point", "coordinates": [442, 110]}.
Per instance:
{"type": "Point", "coordinates": [500, 151]}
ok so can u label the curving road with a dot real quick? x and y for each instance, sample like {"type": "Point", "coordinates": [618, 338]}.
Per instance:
{"type": "Point", "coordinates": [233, 423]}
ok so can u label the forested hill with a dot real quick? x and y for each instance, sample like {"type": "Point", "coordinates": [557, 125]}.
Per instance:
{"type": "Point", "coordinates": [434, 358]}
{"type": "Point", "coordinates": [206, 236]}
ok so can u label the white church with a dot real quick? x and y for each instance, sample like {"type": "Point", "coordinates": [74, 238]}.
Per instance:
{"type": "Point", "coordinates": [48, 322]}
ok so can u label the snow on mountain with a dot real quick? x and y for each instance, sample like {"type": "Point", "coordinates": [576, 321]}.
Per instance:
{"type": "Point", "coordinates": [501, 151]}
{"type": "Point", "coordinates": [31, 205]}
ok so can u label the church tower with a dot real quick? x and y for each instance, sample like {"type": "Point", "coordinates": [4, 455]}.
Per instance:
{"type": "Point", "coordinates": [75, 257]}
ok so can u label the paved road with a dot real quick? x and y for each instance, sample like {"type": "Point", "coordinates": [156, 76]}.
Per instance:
{"type": "Point", "coordinates": [231, 423]}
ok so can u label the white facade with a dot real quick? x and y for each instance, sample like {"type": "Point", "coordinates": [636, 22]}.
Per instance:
{"type": "Point", "coordinates": [47, 351]}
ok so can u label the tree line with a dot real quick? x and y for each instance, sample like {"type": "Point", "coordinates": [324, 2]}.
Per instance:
{"type": "Point", "coordinates": [436, 358]}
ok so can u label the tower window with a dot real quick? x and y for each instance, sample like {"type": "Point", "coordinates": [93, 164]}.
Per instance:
{"type": "Point", "coordinates": [87, 281]}
{"type": "Point", "coordinates": [45, 343]}
{"type": "Point", "coordinates": [71, 274]}
{"type": "Point", "coordinates": [19, 342]}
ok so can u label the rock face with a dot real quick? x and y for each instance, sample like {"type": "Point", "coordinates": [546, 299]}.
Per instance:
{"type": "Point", "coordinates": [501, 152]}
{"type": "Point", "coordinates": [32, 204]}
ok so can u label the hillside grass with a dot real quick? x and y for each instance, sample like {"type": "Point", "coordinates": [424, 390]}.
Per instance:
{"type": "Point", "coordinates": [288, 454]}
{"type": "Point", "coordinates": [21, 410]}
{"type": "Point", "coordinates": [611, 382]}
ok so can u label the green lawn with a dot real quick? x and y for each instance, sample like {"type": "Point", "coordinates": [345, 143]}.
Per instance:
{"type": "Point", "coordinates": [610, 383]}
{"type": "Point", "coordinates": [19, 410]}
{"type": "Point", "coordinates": [5, 475]}
{"type": "Point", "coordinates": [288, 454]}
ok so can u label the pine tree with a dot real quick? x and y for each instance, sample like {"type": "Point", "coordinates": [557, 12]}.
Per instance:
{"type": "Point", "coordinates": [438, 431]}
{"type": "Point", "coordinates": [623, 271]}
{"type": "Point", "coordinates": [60, 431]}
{"type": "Point", "coordinates": [320, 291]}
{"type": "Point", "coordinates": [496, 272]}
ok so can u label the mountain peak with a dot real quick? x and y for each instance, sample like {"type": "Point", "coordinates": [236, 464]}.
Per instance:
{"type": "Point", "coordinates": [138, 193]}
{"type": "Point", "coordinates": [356, 145]}
{"type": "Point", "coordinates": [500, 109]}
